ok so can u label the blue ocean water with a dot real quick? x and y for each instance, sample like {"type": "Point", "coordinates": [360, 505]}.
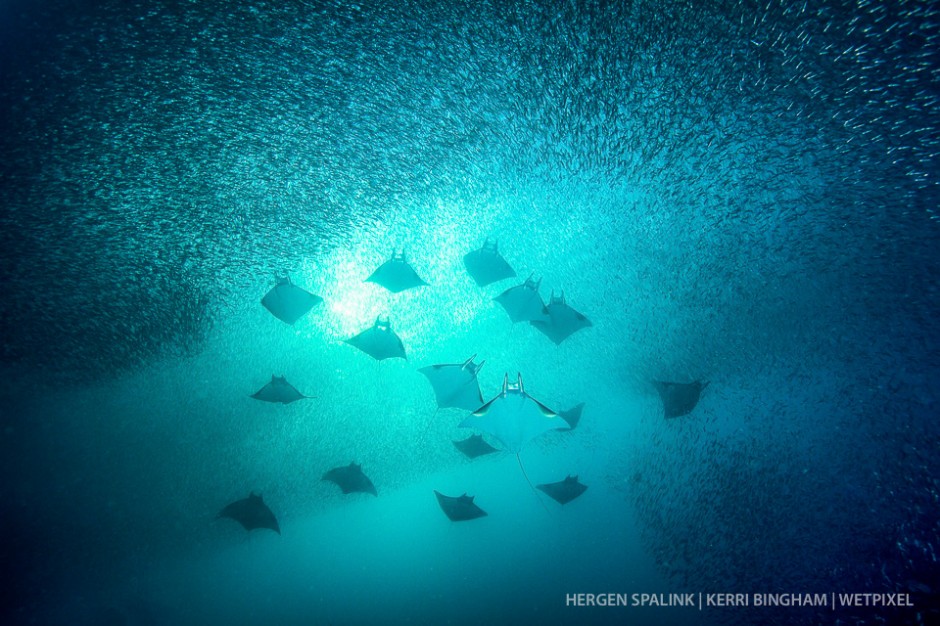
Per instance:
{"type": "Point", "coordinates": [739, 192]}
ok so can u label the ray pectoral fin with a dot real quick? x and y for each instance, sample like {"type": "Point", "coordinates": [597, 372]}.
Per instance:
{"type": "Point", "coordinates": [471, 421]}
{"type": "Point", "coordinates": [482, 411]}
{"type": "Point", "coordinates": [547, 412]}
{"type": "Point", "coordinates": [572, 416]}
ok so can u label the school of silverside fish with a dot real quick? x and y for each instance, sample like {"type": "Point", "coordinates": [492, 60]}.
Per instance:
{"type": "Point", "coordinates": [512, 417]}
{"type": "Point", "coordinates": [759, 179]}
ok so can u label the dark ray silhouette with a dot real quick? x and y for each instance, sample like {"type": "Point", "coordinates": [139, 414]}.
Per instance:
{"type": "Point", "coordinates": [459, 509]}
{"type": "Point", "coordinates": [278, 390]}
{"type": "Point", "coordinates": [679, 398]}
{"type": "Point", "coordinates": [523, 302]}
{"type": "Point", "coordinates": [287, 302]}
{"type": "Point", "coordinates": [396, 275]}
{"type": "Point", "coordinates": [455, 384]}
{"type": "Point", "coordinates": [487, 265]}
{"type": "Point", "coordinates": [572, 416]}
{"type": "Point", "coordinates": [474, 446]}
{"type": "Point", "coordinates": [380, 342]}
{"type": "Point", "coordinates": [562, 322]}
{"type": "Point", "coordinates": [251, 513]}
{"type": "Point", "coordinates": [564, 491]}
{"type": "Point", "coordinates": [351, 479]}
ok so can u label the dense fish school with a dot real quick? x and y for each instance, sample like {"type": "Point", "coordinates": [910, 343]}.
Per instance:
{"type": "Point", "coordinates": [248, 249]}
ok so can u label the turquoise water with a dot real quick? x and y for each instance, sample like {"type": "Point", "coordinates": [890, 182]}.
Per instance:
{"type": "Point", "coordinates": [740, 193]}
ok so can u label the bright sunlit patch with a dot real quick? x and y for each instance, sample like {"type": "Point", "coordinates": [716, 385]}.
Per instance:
{"type": "Point", "coordinates": [352, 303]}
{"type": "Point", "coordinates": [434, 238]}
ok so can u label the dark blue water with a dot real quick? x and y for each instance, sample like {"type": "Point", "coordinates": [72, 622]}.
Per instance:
{"type": "Point", "coordinates": [739, 192]}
